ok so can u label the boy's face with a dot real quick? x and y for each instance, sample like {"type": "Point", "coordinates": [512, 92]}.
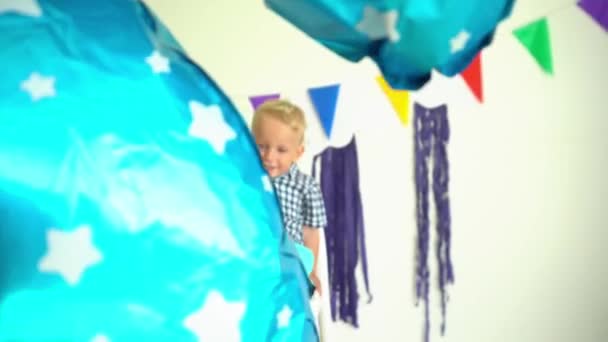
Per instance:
{"type": "Point", "coordinates": [278, 144]}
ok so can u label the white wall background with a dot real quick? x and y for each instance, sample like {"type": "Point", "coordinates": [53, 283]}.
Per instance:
{"type": "Point", "coordinates": [528, 168]}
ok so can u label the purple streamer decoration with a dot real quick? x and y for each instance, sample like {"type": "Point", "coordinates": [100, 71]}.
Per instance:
{"type": "Point", "coordinates": [432, 133]}
{"type": "Point", "coordinates": [345, 233]}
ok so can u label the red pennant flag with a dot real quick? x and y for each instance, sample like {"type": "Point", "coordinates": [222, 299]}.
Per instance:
{"type": "Point", "coordinates": [472, 77]}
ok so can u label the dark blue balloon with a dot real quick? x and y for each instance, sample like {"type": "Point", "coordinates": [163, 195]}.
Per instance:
{"type": "Point", "coordinates": [406, 38]}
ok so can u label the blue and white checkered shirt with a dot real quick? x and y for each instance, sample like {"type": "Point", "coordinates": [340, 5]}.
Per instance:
{"type": "Point", "coordinates": [301, 202]}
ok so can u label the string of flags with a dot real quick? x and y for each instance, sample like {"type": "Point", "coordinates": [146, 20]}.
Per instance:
{"type": "Point", "coordinates": [534, 36]}
{"type": "Point", "coordinates": [323, 98]}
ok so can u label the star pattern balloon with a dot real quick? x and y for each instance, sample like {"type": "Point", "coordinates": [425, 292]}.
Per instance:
{"type": "Point", "coordinates": [407, 39]}
{"type": "Point", "coordinates": [133, 205]}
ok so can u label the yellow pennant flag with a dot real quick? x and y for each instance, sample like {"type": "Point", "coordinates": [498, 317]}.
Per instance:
{"type": "Point", "coordinates": [399, 99]}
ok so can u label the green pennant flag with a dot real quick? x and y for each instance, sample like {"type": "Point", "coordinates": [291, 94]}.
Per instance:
{"type": "Point", "coordinates": [535, 37]}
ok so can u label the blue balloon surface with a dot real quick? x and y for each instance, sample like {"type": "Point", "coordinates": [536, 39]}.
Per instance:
{"type": "Point", "coordinates": [407, 39]}
{"type": "Point", "coordinates": [133, 205]}
{"type": "Point", "coordinates": [306, 256]}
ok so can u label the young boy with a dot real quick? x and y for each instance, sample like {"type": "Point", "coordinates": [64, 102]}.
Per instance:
{"type": "Point", "coordinates": [278, 128]}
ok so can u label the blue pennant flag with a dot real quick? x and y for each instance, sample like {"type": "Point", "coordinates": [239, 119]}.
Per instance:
{"type": "Point", "coordinates": [133, 204]}
{"type": "Point", "coordinates": [407, 39]}
{"type": "Point", "coordinates": [324, 100]}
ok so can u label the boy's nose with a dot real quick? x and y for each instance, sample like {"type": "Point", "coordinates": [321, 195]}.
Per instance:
{"type": "Point", "coordinates": [268, 155]}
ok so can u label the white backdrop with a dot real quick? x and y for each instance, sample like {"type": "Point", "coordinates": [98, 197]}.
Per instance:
{"type": "Point", "coordinates": [527, 169]}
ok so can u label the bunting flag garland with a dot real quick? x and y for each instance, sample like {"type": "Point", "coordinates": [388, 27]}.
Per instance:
{"type": "Point", "coordinates": [535, 37]}
{"type": "Point", "coordinates": [133, 203]}
{"type": "Point", "coordinates": [324, 100]}
{"type": "Point", "coordinates": [431, 136]}
{"type": "Point", "coordinates": [257, 100]}
{"type": "Point", "coordinates": [399, 99]}
{"type": "Point", "coordinates": [473, 77]}
{"type": "Point", "coordinates": [596, 9]}
{"type": "Point", "coordinates": [345, 231]}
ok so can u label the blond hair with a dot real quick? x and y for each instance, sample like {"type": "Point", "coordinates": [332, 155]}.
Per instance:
{"type": "Point", "coordinates": [284, 111]}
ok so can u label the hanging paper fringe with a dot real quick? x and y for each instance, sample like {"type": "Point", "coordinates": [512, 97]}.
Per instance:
{"type": "Point", "coordinates": [345, 233]}
{"type": "Point", "coordinates": [431, 137]}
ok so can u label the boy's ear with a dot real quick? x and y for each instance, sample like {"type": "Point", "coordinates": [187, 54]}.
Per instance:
{"type": "Point", "coordinates": [300, 150]}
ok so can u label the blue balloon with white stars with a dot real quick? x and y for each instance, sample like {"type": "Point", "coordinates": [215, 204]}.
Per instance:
{"type": "Point", "coordinates": [133, 205]}
{"type": "Point", "coordinates": [407, 39]}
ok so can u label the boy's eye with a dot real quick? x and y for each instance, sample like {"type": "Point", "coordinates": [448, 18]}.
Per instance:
{"type": "Point", "coordinates": [282, 150]}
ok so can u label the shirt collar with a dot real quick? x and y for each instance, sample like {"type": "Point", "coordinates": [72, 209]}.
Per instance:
{"type": "Point", "coordinates": [292, 170]}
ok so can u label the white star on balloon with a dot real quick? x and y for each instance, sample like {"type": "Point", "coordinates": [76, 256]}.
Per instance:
{"type": "Point", "coordinates": [283, 317]}
{"type": "Point", "coordinates": [158, 62]}
{"type": "Point", "coordinates": [25, 7]}
{"type": "Point", "coordinates": [267, 184]}
{"type": "Point", "coordinates": [69, 253]}
{"type": "Point", "coordinates": [208, 124]}
{"type": "Point", "coordinates": [458, 42]}
{"type": "Point", "coordinates": [216, 320]}
{"type": "Point", "coordinates": [100, 338]}
{"type": "Point", "coordinates": [376, 24]}
{"type": "Point", "coordinates": [39, 86]}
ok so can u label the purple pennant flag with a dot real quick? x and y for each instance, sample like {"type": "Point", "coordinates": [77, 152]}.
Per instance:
{"type": "Point", "coordinates": [256, 101]}
{"type": "Point", "coordinates": [597, 9]}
